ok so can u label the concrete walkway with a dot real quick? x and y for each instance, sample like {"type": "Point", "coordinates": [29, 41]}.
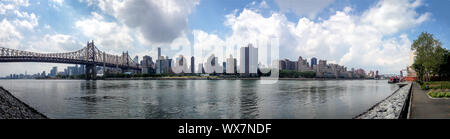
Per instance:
{"type": "Point", "coordinates": [423, 107]}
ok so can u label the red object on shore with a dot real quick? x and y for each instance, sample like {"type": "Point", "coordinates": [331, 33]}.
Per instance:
{"type": "Point", "coordinates": [394, 79]}
{"type": "Point", "coordinates": [411, 79]}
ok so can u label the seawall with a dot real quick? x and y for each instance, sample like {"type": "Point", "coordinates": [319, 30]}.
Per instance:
{"type": "Point", "coordinates": [13, 108]}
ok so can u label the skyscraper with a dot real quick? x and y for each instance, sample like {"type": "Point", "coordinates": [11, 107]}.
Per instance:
{"type": "Point", "coordinates": [212, 65]}
{"type": "Point", "coordinates": [147, 65]}
{"type": "Point", "coordinates": [249, 60]}
{"type": "Point", "coordinates": [163, 65]}
{"type": "Point", "coordinates": [192, 65]}
{"type": "Point", "coordinates": [313, 62]}
{"type": "Point", "coordinates": [53, 72]}
{"type": "Point", "coordinates": [159, 52]}
{"type": "Point", "coordinates": [231, 65]}
{"type": "Point", "coordinates": [224, 66]}
{"type": "Point", "coordinates": [200, 69]}
{"type": "Point", "coordinates": [136, 59]}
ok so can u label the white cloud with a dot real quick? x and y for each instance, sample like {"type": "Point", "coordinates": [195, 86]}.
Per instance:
{"type": "Point", "coordinates": [11, 5]}
{"type": "Point", "coordinates": [59, 2]}
{"type": "Point", "coordinates": [390, 16]}
{"type": "Point", "coordinates": [56, 43]}
{"type": "Point", "coordinates": [263, 4]}
{"type": "Point", "coordinates": [9, 36]}
{"type": "Point", "coordinates": [26, 20]}
{"type": "Point", "coordinates": [164, 21]}
{"type": "Point", "coordinates": [206, 44]}
{"type": "Point", "coordinates": [346, 39]}
{"type": "Point", "coordinates": [309, 8]}
{"type": "Point", "coordinates": [109, 36]}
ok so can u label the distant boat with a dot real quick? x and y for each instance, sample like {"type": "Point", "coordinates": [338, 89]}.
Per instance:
{"type": "Point", "coordinates": [394, 80]}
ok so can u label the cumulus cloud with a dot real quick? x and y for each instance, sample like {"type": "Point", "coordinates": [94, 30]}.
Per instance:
{"type": "Point", "coordinates": [22, 19]}
{"type": "Point", "coordinates": [9, 36]}
{"type": "Point", "coordinates": [207, 44]}
{"type": "Point", "coordinates": [350, 40]}
{"type": "Point", "coordinates": [109, 36]}
{"type": "Point", "coordinates": [56, 43]}
{"type": "Point", "coordinates": [308, 8]}
{"type": "Point", "coordinates": [390, 16]}
{"type": "Point", "coordinates": [158, 21]}
{"type": "Point", "coordinates": [11, 5]}
{"type": "Point", "coordinates": [26, 20]}
{"type": "Point", "coordinates": [59, 2]}
{"type": "Point", "coordinates": [14, 21]}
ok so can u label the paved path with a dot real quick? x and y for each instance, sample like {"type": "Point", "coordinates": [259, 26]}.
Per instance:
{"type": "Point", "coordinates": [423, 107]}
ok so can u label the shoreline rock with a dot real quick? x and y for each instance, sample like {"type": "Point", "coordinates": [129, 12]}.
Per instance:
{"type": "Point", "coordinates": [12, 108]}
{"type": "Point", "coordinates": [389, 108]}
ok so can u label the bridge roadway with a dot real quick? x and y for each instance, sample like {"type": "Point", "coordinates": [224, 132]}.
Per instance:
{"type": "Point", "coordinates": [90, 56]}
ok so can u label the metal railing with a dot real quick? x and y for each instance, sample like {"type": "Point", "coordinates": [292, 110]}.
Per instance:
{"type": "Point", "coordinates": [404, 114]}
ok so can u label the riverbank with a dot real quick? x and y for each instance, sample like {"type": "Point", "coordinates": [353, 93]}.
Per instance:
{"type": "Point", "coordinates": [389, 108]}
{"type": "Point", "coordinates": [13, 108]}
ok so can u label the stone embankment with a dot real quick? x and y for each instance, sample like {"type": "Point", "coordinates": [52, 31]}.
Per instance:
{"type": "Point", "coordinates": [13, 108]}
{"type": "Point", "coordinates": [389, 108]}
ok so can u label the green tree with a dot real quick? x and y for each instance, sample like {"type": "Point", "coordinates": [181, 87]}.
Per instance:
{"type": "Point", "coordinates": [429, 57]}
{"type": "Point", "coordinates": [444, 68]}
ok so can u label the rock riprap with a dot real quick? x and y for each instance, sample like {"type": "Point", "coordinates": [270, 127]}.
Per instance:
{"type": "Point", "coordinates": [389, 108]}
{"type": "Point", "coordinates": [13, 108]}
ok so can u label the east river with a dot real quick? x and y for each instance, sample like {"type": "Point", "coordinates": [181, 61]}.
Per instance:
{"type": "Point", "coordinates": [200, 99]}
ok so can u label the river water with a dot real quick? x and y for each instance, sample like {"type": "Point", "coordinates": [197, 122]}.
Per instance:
{"type": "Point", "coordinates": [200, 99]}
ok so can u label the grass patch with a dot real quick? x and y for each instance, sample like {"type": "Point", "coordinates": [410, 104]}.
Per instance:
{"type": "Point", "coordinates": [436, 85]}
{"type": "Point", "coordinates": [439, 93]}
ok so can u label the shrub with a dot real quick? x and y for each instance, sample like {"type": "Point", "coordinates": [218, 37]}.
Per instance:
{"type": "Point", "coordinates": [439, 93]}
{"type": "Point", "coordinates": [436, 85]}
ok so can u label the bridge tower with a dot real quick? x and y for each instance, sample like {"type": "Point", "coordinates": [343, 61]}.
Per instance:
{"type": "Point", "coordinates": [91, 67]}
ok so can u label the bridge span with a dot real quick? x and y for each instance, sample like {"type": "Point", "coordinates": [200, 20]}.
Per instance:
{"type": "Point", "coordinates": [90, 56]}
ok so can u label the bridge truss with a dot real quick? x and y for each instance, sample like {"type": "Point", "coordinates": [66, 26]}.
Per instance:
{"type": "Point", "coordinates": [90, 56]}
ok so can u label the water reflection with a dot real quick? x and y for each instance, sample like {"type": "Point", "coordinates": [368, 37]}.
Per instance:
{"type": "Point", "coordinates": [199, 98]}
{"type": "Point", "coordinates": [90, 87]}
{"type": "Point", "coordinates": [249, 100]}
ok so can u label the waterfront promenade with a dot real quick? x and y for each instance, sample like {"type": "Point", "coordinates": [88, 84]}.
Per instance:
{"type": "Point", "coordinates": [422, 107]}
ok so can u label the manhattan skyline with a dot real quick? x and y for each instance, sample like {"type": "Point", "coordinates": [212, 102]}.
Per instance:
{"type": "Point", "coordinates": [373, 35]}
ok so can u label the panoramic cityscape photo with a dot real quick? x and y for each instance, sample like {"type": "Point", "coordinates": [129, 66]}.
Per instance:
{"type": "Point", "coordinates": [224, 59]}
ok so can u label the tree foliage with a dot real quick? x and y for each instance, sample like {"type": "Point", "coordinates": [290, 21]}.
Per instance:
{"type": "Point", "coordinates": [296, 74]}
{"type": "Point", "coordinates": [431, 58]}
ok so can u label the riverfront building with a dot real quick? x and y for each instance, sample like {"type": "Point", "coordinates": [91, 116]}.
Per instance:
{"type": "Point", "coordinates": [147, 64]}
{"type": "Point", "coordinates": [249, 60]}
{"type": "Point", "coordinates": [322, 69]}
{"type": "Point", "coordinates": [248, 65]}
{"type": "Point", "coordinates": [192, 65]}
{"type": "Point", "coordinates": [313, 62]}
{"type": "Point", "coordinates": [286, 64]}
{"type": "Point", "coordinates": [213, 65]}
{"type": "Point", "coordinates": [231, 65]}
{"type": "Point", "coordinates": [181, 65]}
{"type": "Point", "coordinates": [200, 69]}
{"type": "Point", "coordinates": [53, 72]}
{"type": "Point", "coordinates": [302, 65]}
{"type": "Point", "coordinates": [159, 52]}
{"type": "Point", "coordinates": [163, 65]}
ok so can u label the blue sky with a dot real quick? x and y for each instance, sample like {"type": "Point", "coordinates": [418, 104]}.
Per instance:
{"type": "Point", "coordinates": [369, 34]}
